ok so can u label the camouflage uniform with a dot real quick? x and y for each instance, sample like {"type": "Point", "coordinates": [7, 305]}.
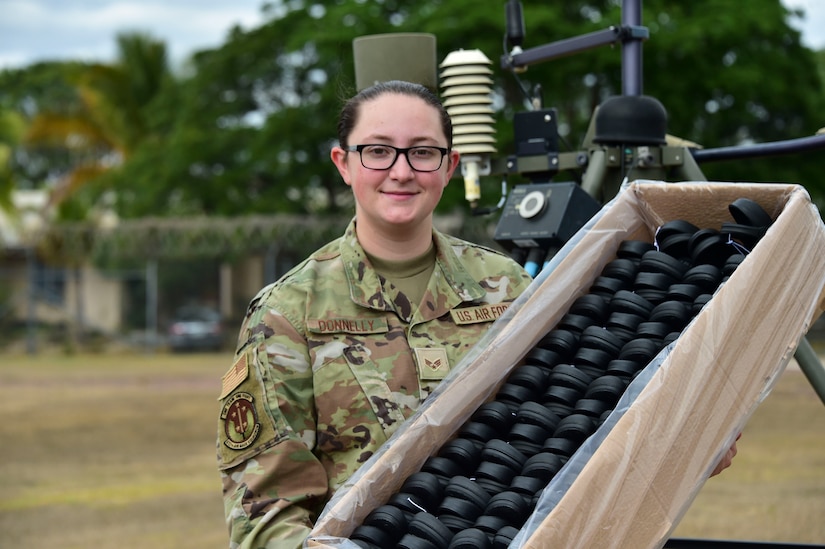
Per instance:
{"type": "Point", "coordinates": [331, 360]}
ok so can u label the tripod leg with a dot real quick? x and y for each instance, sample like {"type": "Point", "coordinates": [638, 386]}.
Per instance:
{"type": "Point", "coordinates": [811, 367]}
{"type": "Point", "coordinates": [593, 180]}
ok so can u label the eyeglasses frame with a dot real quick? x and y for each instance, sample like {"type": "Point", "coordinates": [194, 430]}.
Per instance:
{"type": "Point", "coordinates": [398, 152]}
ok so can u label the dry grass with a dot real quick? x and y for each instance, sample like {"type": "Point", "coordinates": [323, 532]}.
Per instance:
{"type": "Point", "coordinates": [118, 451]}
{"type": "Point", "coordinates": [110, 451]}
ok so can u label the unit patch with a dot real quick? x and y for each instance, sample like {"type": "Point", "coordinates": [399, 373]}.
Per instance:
{"type": "Point", "coordinates": [240, 420]}
{"type": "Point", "coordinates": [432, 364]}
{"type": "Point", "coordinates": [482, 313]}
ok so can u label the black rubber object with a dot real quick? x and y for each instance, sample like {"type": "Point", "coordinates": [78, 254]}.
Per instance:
{"type": "Point", "coordinates": [496, 414]}
{"type": "Point", "coordinates": [606, 286]}
{"type": "Point", "coordinates": [633, 249]}
{"type": "Point", "coordinates": [388, 518]}
{"type": "Point", "coordinates": [471, 538]}
{"type": "Point", "coordinates": [621, 269]}
{"type": "Point", "coordinates": [429, 528]}
{"type": "Point", "coordinates": [625, 301]}
{"type": "Point", "coordinates": [543, 466]}
{"type": "Point", "coordinates": [563, 342]}
{"type": "Point", "coordinates": [464, 452]}
{"type": "Point", "coordinates": [510, 506]}
{"type": "Point", "coordinates": [748, 212]}
{"type": "Point", "coordinates": [536, 414]}
{"type": "Point", "coordinates": [375, 536]}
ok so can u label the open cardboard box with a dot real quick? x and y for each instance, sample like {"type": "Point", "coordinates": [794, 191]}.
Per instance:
{"type": "Point", "coordinates": [631, 482]}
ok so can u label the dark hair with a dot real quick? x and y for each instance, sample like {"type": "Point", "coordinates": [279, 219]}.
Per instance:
{"type": "Point", "coordinates": [349, 113]}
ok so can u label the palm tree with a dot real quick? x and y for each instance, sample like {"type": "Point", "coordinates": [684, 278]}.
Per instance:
{"type": "Point", "coordinates": [12, 127]}
{"type": "Point", "coordinates": [112, 119]}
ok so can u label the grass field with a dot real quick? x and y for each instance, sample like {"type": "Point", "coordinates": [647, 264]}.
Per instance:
{"type": "Point", "coordinates": [118, 451]}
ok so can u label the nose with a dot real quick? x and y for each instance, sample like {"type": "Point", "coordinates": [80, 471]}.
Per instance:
{"type": "Point", "coordinates": [401, 168]}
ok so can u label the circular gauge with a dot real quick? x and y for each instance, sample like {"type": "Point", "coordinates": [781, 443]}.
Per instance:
{"type": "Point", "coordinates": [531, 205]}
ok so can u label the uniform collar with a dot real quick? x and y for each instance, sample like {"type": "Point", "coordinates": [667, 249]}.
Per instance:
{"type": "Point", "coordinates": [449, 286]}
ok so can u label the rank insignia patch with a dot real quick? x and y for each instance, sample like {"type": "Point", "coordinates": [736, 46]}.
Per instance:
{"type": "Point", "coordinates": [432, 363]}
{"type": "Point", "coordinates": [240, 421]}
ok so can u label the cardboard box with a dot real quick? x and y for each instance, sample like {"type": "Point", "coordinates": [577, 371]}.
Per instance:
{"type": "Point", "coordinates": [632, 481]}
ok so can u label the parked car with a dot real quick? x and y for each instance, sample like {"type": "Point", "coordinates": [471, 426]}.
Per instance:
{"type": "Point", "coordinates": [196, 328]}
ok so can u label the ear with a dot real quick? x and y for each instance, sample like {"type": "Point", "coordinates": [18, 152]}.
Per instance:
{"type": "Point", "coordinates": [452, 164]}
{"type": "Point", "coordinates": [340, 158]}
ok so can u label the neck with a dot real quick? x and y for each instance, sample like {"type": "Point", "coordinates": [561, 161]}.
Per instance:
{"type": "Point", "coordinates": [397, 245]}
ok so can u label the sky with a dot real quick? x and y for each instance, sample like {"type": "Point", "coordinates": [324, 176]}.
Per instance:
{"type": "Point", "coordinates": [40, 30]}
{"type": "Point", "coordinates": [86, 30]}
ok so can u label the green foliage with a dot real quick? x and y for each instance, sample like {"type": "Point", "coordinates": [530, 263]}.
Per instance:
{"type": "Point", "coordinates": [247, 129]}
{"type": "Point", "coordinates": [84, 119]}
{"type": "Point", "coordinates": [730, 76]}
{"type": "Point", "coordinates": [28, 92]}
{"type": "Point", "coordinates": [12, 127]}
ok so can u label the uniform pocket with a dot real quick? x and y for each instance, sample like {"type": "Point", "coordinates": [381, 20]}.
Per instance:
{"type": "Point", "coordinates": [355, 404]}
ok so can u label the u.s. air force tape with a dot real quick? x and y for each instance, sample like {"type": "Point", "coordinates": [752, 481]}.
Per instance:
{"type": "Point", "coordinates": [482, 313]}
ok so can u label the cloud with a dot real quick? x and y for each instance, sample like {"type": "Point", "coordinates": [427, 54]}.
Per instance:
{"type": "Point", "coordinates": [813, 24]}
{"type": "Point", "coordinates": [35, 30]}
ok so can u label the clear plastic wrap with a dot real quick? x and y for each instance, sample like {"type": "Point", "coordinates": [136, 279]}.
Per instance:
{"type": "Point", "coordinates": [629, 483]}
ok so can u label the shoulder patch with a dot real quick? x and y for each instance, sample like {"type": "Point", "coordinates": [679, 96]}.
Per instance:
{"type": "Point", "coordinates": [247, 424]}
{"type": "Point", "coordinates": [241, 422]}
{"type": "Point", "coordinates": [234, 377]}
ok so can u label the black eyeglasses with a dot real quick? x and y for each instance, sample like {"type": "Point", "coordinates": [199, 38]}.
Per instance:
{"type": "Point", "coordinates": [382, 157]}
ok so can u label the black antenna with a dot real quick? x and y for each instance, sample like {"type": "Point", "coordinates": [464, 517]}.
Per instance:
{"type": "Point", "coordinates": [515, 24]}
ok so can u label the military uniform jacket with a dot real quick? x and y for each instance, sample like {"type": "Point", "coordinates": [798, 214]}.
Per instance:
{"type": "Point", "coordinates": [331, 360]}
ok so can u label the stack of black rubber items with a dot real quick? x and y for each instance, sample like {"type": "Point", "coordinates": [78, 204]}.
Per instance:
{"type": "Point", "coordinates": [481, 486]}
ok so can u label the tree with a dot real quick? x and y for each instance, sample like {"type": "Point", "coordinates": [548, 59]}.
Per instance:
{"type": "Point", "coordinates": [100, 125]}
{"type": "Point", "coordinates": [27, 93]}
{"type": "Point", "coordinates": [259, 112]}
{"type": "Point", "coordinates": [12, 127]}
{"type": "Point", "coordinates": [747, 78]}
{"type": "Point", "coordinates": [249, 127]}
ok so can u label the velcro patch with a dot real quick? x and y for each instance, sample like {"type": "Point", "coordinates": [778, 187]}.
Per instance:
{"type": "Point", "coordinates": [348, 325]}
{"type": "Point", "coordinates": [433, 364]}
{"type": "Point", "coordinates": [240, 420]}
{"type": "Point", "coordinates": [234, 377]}
{"type": "Point", "coordinates": [482, 313]}
{"type": "Point", "coordinates": [246, 424]}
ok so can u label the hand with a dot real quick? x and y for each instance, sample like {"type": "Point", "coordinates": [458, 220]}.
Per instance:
{"type": "Point", "coordinates": [727, 459]}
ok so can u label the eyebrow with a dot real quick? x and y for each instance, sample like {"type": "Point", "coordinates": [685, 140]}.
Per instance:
{"type": "Point", "coordinates": [421, 140]}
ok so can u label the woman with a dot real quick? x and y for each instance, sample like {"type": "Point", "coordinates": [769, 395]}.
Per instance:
{"type": "Point", "coordinates": [334, 356]}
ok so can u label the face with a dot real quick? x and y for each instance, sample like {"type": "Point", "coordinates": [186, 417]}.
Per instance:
{"type": "Point", "coordinates": [399, 197]}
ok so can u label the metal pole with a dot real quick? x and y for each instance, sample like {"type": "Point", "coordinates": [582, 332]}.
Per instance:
{"type": "Point", "coordinates": [31, 328]}
{"type": "Point", "coordinates": [225, 290]}
{"type": "Point", "coordinates": [811, 366]}
{"type": "Point", "coordinates": [77, 331]}
{"type": "Point", "coordinates": [632, 49]}
{"type": "Point", "coordinates": [151, 304]}
{"type": "Point", "coordinates": [271, 263]}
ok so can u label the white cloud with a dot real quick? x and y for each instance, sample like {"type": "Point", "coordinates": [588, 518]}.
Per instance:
{"type": "Point", "coordinates": [36, 30]}
{"type": "Point", "coordinates": [813, 25]}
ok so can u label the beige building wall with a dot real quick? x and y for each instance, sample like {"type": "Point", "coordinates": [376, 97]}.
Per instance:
{"type": "Point", "coordinates": [101, 300]}
{"type": "Point", "coordinates": [247, 280]}
{"type": "Point", "coordinates": [89, 298]}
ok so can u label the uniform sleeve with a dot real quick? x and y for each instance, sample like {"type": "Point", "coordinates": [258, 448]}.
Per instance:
{"type": "Point", "coordinates": [273, 485]}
